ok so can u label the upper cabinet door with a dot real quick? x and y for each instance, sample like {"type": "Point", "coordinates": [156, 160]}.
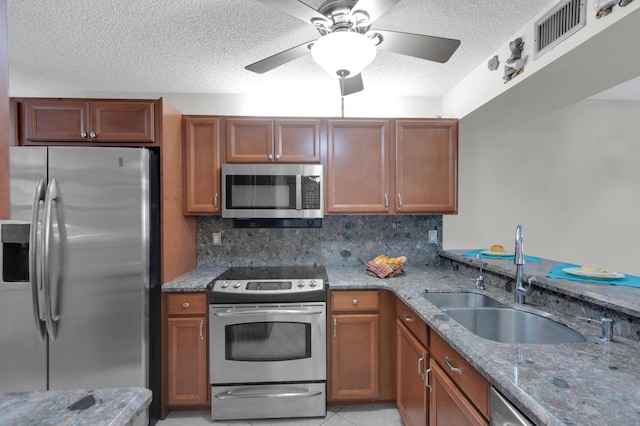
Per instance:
{"type": "Point", "coordinates": [264, 140]}
{"type": "Point", "coordinates": [127, 121]}
{"type": "Point", "coordinates": [84, 121]}
{"type": "Point", "coordinates": [358, 166]}
{"type": "Point", "coordinates": [426, 172]}
{"type": "Point", "coordinates": [297, 140]}
{"type": "Point", "coordinates": [56, 120]}
{"type": "Point", "coordinates": [249, 140]}
{"type": "Point", "coordinates": [202, 165]}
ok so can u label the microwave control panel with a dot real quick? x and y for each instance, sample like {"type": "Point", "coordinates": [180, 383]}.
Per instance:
{"type": "Point", "coordinates": [311, 192]}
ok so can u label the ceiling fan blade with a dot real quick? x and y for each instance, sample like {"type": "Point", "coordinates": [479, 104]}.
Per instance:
{"type": "Point", "coordinates": [374, 8]}
{"type": "Point", "coordinates": [351, 85]}
{"type": "Point", "coordinates": [297, 9]}
{"type": "Point", "coordinates": [274, 61]}
{"type": "Point", "coordinates": [431, 48]}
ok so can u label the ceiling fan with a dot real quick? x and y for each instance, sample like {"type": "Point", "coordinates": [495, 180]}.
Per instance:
{"type": "Point", "coordinates": [347, 43]}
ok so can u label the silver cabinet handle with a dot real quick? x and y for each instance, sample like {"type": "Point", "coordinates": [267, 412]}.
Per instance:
{"type": "Point", "coordinates": [406, 317]}
{"type": "Point", "coordinates": [451, 367]}
{"type": "Point", "coordinates": [277, 157]}
{"type": "Point", "coordinates": [201, 327]}
{"type": "Point", "coordinates": [270, 157]}
{"type": "Point", "coordinates": [83, 135]}
{"type": "Point", "coordinates": [426, 379]}
{"type": "Point", "coordinates": [386, 201]}
{"type": "Point", "coordinates": [92, 135]}
{"type": "Point", "coordinates": [335, 326]}
{"type": "Point", "coordinates": [355, 301]}
{"type": "Point", "coordinates": [215, 201]}
{"type": "Point", "coordinates": [420, 366]}
{"type": "Point", "coordinates": [186, 305]}
{"type": "Point", "coordinates": [399, 201]}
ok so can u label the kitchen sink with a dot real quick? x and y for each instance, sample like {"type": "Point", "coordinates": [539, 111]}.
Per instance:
{"type": "Point", "coordinates": [508, 325]}
{"type": "Point", "coordinates": [462, 300]}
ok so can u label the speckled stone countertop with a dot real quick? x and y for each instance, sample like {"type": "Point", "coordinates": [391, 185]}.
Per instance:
{"type": "Point", "coordinates": [590, 383]}
{"type": "Point", "coordinates": [113, 407]}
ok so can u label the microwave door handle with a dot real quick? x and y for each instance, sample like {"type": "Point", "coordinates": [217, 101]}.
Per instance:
{"type": "Point", "coordinates": [298, 192]}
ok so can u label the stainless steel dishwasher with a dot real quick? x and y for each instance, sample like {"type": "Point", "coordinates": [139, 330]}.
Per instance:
{"type": "Point", "coordinates": [503, 413]}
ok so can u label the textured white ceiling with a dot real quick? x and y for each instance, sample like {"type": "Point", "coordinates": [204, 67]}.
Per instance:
{"type": "Point", "coordinates": [202, 46]}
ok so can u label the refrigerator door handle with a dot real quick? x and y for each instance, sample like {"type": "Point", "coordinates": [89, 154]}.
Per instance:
{"type": "Point", "coordinates": [51, 317]}
{"type": "Point", "coordinates": [35, 235]}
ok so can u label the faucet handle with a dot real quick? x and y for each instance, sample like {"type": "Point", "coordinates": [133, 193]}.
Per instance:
{"type": "Point", "coordinates": [606, 325]}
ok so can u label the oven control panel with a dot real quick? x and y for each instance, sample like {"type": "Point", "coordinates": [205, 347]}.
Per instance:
{"type": "Point", "coordinates": [267, 286]}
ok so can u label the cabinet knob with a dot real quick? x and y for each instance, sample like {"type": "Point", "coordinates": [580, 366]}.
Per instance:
{"type": "Point", "coordinates": [406, 317]}
{"type": "Point", "coordinates": [399, 201]}
{"type": "Point", "coordinates": [277, 157]}
{"type": "Point", "coordinates": [186, 305]}
{"type": "Point", "coordinates": [356, 301]}
{"type": "Point", "coordinates": [92, 135]}
{"type": "Point", "coordinates": [270, 157]}
{"type": "Point", "coordinates": [83, 134]}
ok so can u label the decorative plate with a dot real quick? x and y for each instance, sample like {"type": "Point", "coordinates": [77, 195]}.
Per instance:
{"type": "Point", "coordinates": [593, 274]}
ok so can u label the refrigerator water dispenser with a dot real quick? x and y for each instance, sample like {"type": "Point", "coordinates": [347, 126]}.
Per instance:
{"type": "Point", "coordinates": [14, 251]}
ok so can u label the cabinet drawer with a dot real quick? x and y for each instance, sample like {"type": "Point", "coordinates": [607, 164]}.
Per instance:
{"type": "Point", "coordinates": [412, 321]}
{"type": "Point", "coordinates": [187, 304]}
{"type": "Point", "coordinates": [355, 301]}
{"type": "Point", "coordinates": [472, 384]}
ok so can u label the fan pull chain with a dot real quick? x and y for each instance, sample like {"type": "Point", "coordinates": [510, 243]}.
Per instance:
{"type": "Point", "coordinates": [342, 106]}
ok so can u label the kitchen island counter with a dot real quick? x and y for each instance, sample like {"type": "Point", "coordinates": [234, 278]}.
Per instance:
{"type": "Point", "coordinates": [113, 407]}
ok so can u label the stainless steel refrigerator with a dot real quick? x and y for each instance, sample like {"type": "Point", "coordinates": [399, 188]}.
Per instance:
{"type": "Point", "coordinates": [88, 315]}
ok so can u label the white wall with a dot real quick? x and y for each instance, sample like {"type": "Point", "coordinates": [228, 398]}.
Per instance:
{"type": "Point", "coordinates": [571, 178]}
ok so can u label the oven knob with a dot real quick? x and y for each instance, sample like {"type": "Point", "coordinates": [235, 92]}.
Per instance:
{"type": "Point", "coordinates": [300, 283]}
{"type": "Point", "coordinates": [224, 284]}
{"type": "Point", "coordinates": [312, 283]}
{"type": "Point", "coordinates": [236, 285]}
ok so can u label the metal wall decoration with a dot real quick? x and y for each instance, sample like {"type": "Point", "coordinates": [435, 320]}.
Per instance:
{"type": "Point", "coordinates": [515, 63]}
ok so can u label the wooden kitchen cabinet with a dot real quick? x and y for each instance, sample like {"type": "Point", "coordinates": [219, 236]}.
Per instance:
{"type": "Point", "coordinates": [355, 352]}
{"type": "Point", "coordinates": [412, 397]}
{"type": "Point", "coordinates": [89, 121]}
{"type": "Point", "coordinates": [357, 175]}
{"type": "Point", "coordinates": [202, 162]}
{"type": "Point", "coordinates": [187, 349]}
{"type": "Point", "coordinates": [426, 158]}
{"type": "Point", "coordinates": [265, 140]}
{"type": "Point", "coordinates": [460, 395]}
{"type": "Point", "coordinates": [392, 166]}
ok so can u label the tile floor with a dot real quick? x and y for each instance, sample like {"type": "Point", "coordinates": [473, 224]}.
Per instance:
{"type": "Point", "coordinates": [339, 415]}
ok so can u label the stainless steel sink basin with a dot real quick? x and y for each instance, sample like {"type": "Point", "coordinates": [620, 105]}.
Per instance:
{"type": "Point", "coordinates": [508, 325]}
{"type": "Point", "coordinates": [461, 300]}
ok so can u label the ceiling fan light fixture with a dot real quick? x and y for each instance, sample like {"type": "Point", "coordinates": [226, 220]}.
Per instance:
{"type": "Point", "coordinates": [343, 54]}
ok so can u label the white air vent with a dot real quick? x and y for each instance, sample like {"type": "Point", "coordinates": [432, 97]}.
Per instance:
{"type": "Point", "coordinates": [558, 24]}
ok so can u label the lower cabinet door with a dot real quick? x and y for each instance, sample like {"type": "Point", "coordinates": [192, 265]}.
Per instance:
{"type": "Point", "coordinates": [188, 378]}
{"type": "Point", "coordinates": [355, 358]}
{"type": "Point", "coordinates": [449, 406]}
{"type": "Point", "coordinates": [413, 359]}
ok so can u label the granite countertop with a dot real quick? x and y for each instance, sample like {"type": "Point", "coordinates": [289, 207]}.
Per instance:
{"type": "Point", "coordinates": [590, 383]}
{"type": "Point", "coordinates": [113, 407]}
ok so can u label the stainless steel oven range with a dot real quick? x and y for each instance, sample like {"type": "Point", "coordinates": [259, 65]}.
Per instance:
{"type": "Point", "coordinates": [268, 343]}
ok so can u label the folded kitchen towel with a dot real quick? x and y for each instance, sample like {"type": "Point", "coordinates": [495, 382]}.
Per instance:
{"type": "Point", "coordinates": [557, 272]}
{"type": "Point", "coordinates": [474, 253]}
{"type": "Point", "coordinates": [384, 270]}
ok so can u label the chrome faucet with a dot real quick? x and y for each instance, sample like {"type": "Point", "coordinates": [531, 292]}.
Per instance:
{"type": "Point", "coordinates": [480, 279]}
{"type": "Point", "coordinates": [520, 291]}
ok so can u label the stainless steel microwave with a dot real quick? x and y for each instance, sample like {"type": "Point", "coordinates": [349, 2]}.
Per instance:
{"type": "Point", "coordinates": [272, 191]}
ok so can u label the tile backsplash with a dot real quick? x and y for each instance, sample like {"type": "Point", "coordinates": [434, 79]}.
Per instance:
{"type": "Point", "coordinates": [342, 241]}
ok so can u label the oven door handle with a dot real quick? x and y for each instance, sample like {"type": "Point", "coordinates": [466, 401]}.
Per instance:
{"type": "Point", "coordinates": [237, 395]}
{"type": "Point", "coordinates": [234, 313]}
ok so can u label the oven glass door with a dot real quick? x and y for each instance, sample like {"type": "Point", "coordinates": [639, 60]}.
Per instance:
{"type": "Point", "coordinates": [268, 343]}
